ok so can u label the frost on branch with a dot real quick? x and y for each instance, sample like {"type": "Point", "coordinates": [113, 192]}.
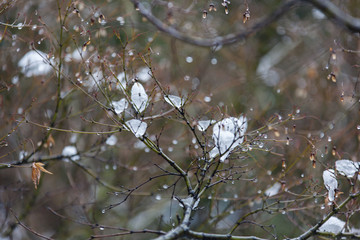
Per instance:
{"type": "Point", "coordinates": [137, 127]}
{"type": "Point", "coordinates": [139, 97]}
{"type": "Point", "coordinates": [330, 183]}
{"type": "Point", "coordinates": [120, 106]}
{"type": "Point", "coordinates": [189, 202]}
{"type": "Point", "coordinates": [332, 225]}
{"type": "Point", "coordinates": [347, 168]}
{"type": "Point", "coordinates": [34, 63]}
{"type": "Point", "coordinates": [227, 135]}
{"type": "Point", "coordinates": [174, 101]}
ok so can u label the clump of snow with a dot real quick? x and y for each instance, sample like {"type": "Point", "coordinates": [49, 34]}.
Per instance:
{"type": "Point", "coordinates": [139, 145]}
{"type": "Point", "coordinates": [143, 74]}
{"type": "Point", "coordinates": [77, 55]}
{"type": "Point", "coordinates": [227, 135]}
{"type": "Point", "coordinates": [22, 155]}
{"type": "Point", "coordinates": [273, 190]}
{"type": "Point", "coordinates": [112, 140]}
{"type": "Point", "coordinates": [94, 79]}
{"type": "Point", "coordinates": [70, 151]}
{"type": "Point", "coordinates": [137, 127]}
{"type": "Point", "coordinates": [121, 20]}
{"type": "Point", "coordinates": [73, 138]}
{"type": "Point", "coordinates": [120, 106]}
{"type": "Point", "coordinates": [174, 101]}
{"type": "Point", "coordinates": [34, 63]}
{"type": "Point", "coordinates": [330, 183]}
{"type": "Point", "coordinates": [121, 81]}
{"type": "Point", "coordinates": [186, 201]}
{"type": "Point", "coordinates": [347, 168]}
{"type": "Point", "coordinates": [332, 225]}
{"type": "Point", "coordinates": [139, 97]}
{"type": "Point", "coordinates": [354, 230]}
{"type": "Point", "coordinates": [317, 14]}
{"type": "Point", "coordinates": [204, 124]}
{"type": "Point", "coordinates": [15, 80]}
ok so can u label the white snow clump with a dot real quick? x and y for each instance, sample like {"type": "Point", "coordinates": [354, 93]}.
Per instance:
{"type": "Point", "coordinates": [332, 225]}
{"type": "Point", "coordinates": [273, 190]}
{"type": "Point", "coordinates": [347, 168]}
{"type": "Point", "coordinates": [227, 135]}
{"type": "Point", "coordinates": [70, 151]}
{"type": "Point", "coordinates": [137, 127]}
{"type": "Point", "coordinates": [174, 101]}
{"type": "Point", "coordinates": [111, 141]}
{"type": "Point", "coordinates": [34, 63]}
{"type": "Point", "coordinates": [120, 106]}
{"type": "Point", "coordinates": [330, 183]}
{"type": "Point", "coordinates": [139, 97]}
{"type": "Point", "coordinates": [204, 124]}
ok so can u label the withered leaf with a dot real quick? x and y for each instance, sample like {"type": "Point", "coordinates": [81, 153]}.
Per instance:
{"type": "Point", "coordinates": [37, 168]}
{"type": "Point", "coordinates": [50, 142]}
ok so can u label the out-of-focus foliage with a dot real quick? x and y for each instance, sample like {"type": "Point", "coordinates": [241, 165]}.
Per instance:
{"type": "Point", "coordinates": [84, 83]}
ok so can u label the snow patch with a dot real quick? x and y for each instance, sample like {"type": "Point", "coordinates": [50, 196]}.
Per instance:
{"type": "Point", "coordinates": [70, 151]}
{"type": "Point", "coordinates": [273, 190]}
{"type": "Point", "coordinates": [139, 97]}
{"type": "Point", "coordinates": [227, 135]}
{"type": "Point", "coordinates": [332, 225]}
{"type": "Point", "coordinates": [137, 127]}
{"type": "Point", "coordinates": [34, 63]}
{"type": "Point", "coordinates": [174, 101]}
{"type": "Point", "coordinates": [330, 183]}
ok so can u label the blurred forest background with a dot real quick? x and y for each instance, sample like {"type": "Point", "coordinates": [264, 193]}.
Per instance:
{"type": "Point", "coordinates": [295, 78]}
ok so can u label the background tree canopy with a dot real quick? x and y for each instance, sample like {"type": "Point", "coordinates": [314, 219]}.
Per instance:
{"type": "Point", "coordinates": [184, 119]}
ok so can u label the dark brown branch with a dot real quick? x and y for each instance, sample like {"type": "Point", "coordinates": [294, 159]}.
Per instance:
{"type": "Point", "coordinates": [335, 13]}
{"type": "Point", "coordinates": [328, 8]}
{"type": "Point", "coordinates": [217, 41]}
{"type": "Point", "coordinates": [125, 233]}
{"type": "Point", "coordinates": [214, 236]}
{"type": "Point", "coordinates": [29, 229]}
{"type": "Point", "coordinates": [313, 231]}
{"type": "Point", "coordinates": [95, 225]}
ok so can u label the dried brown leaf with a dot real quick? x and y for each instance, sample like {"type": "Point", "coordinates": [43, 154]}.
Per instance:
{"type": "Point", "coordinates": [37, 168]}
{"type": "Point", "coordinates": [50, 142]}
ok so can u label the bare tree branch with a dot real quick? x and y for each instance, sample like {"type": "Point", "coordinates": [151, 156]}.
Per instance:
{"type": "Point", "coordinates": [339, 16]}
{"type": "Point", "coordinates": [202, 235]}
{"type": "Point", "coordinates": [217, 41]}
{"type": "Point", "coordinates": [29, 229]}
{"type": "Point", "coordinates": [312, 231]}
{"type": "Point", "coordinates": [329, 9]}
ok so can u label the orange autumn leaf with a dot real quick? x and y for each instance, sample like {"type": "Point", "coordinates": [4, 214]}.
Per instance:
{"type": "Point", "coordinates": [37, 168]}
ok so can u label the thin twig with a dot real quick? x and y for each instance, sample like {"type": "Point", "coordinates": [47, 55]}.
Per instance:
{"type": "Point", "coordinates": [28, 228]}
